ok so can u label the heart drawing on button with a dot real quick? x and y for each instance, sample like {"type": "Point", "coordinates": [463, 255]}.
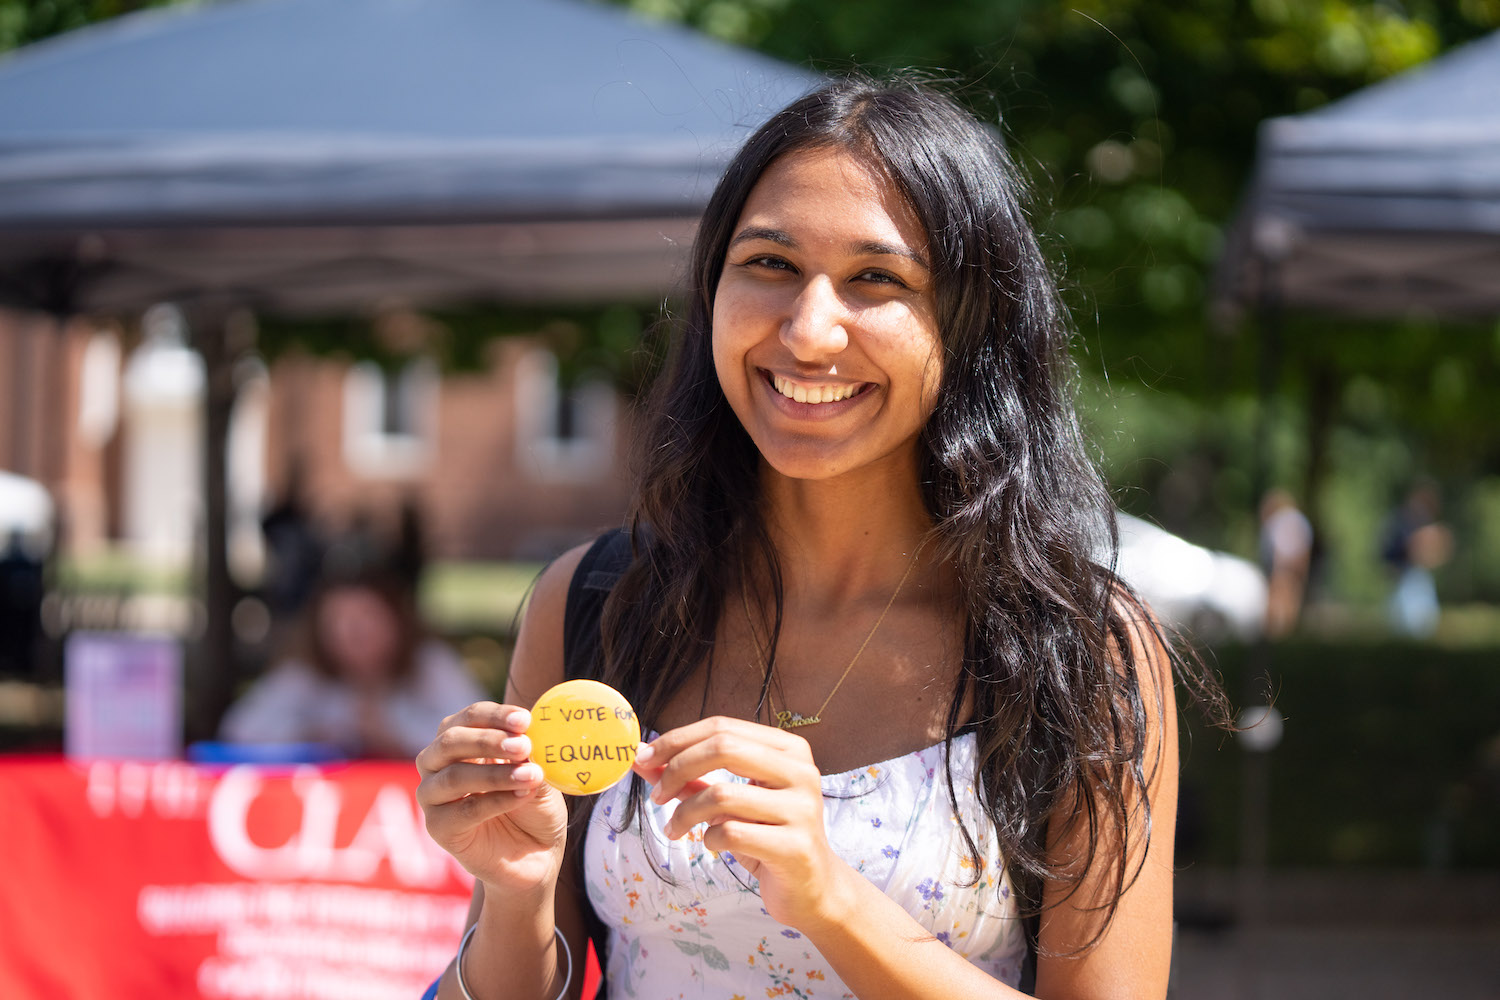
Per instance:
{"type": "Point", "coordinates": [584, 776]}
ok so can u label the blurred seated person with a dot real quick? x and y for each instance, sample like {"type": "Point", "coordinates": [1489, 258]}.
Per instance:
{"type": "Point", "coordinates": [367, 680]}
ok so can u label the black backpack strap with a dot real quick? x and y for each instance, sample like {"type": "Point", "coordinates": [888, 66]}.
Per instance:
{"type": "Point", "coordinates": [1027, 889]}
{"type": "Point", "coordinates": [598, 572]}
{"type": "Point", "coordinates": [1031, 926]}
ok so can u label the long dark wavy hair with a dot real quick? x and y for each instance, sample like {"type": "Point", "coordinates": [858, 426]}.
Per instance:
{"type": "Point", "coordinates": [1018, 509]}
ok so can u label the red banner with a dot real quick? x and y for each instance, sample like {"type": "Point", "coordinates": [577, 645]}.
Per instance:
{"type": "Point", "coordinates": [159, 881]}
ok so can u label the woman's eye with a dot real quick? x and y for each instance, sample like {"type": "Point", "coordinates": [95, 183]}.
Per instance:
{"type": "Point", "coordinates": [774, 263]}
{"type": "Point", "coordinates": [882, 278]}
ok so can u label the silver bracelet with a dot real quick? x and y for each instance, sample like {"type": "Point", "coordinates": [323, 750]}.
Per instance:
{"type": "Point", "coordinates": [458, 963]}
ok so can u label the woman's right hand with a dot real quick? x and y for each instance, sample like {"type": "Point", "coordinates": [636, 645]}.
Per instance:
{"type": "Point", "coordinates": [486, 803]}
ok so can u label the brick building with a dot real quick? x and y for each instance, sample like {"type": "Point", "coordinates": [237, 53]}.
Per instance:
{"type": "Point", "coordinates": [501, 463]}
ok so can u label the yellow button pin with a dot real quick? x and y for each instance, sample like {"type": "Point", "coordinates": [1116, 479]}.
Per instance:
{"type": "Point", "coordinates": [584, 736]}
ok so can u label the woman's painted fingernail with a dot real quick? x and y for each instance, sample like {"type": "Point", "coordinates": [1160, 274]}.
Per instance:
{"type": "Point", "coordinates": [644, 753]}
{"type": "Point", "coordinates": [518, 721]}
{"type": "Point", "coordinates": [528, 773]}
{"type": "Point", "coordinates": [515, 746]}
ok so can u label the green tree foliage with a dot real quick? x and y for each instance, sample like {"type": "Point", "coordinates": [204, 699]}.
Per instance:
{"type": "Point", "coordinates": [25, 21]}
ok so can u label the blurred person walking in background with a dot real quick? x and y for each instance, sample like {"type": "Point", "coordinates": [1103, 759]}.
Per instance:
{"type": "Point", "coordinates": [1414, 544]}
{"type": "Point", "coordinates": [1286, 547]}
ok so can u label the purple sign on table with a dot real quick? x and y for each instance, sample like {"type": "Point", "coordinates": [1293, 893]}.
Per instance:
{"type": "Point", "coordinates": [124, 696]}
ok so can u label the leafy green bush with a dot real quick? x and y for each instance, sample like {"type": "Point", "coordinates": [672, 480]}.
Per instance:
{"type": "Point", "coordinates": [1390, 757]}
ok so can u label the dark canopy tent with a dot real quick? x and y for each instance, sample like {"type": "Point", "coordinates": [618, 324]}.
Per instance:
{"type": "Point", "coordinates": [315, 155]}
{"type": "Point", "coordinates": [306, 157]}
{"type": "Point", "coordinates": [1384, 203]}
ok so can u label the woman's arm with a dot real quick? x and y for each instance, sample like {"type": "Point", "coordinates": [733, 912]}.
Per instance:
{"type": "Point", "coordinates": [505, 825]}
{"type": "Point", "coordinates": [774, 827]}
{"type": "Point", "coordinates": [1133, 956]}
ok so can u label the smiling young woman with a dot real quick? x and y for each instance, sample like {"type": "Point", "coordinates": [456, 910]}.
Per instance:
{"type": "Point", "coordinates": [825, 332]}
{"type": "Point", "coordinates": [910, 736]}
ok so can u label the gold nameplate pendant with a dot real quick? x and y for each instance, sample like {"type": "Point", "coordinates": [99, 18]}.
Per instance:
{"type": "Point", "coordinates": [791, 720]}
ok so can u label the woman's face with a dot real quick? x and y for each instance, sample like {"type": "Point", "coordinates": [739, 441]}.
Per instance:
{"type": "Point", "coordinates": [825, 333]}
{"type": "Point", "coordinates": [359, 631]}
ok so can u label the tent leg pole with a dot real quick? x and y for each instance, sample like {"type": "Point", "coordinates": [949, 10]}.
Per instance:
{"type": "Point", "coordinates": [213, 669]}
{"type": "Point", "coordinates": [1267, 383]}
{"type": "Point", "coordinates": [1255, 795]}
{"type": "Point", "coordinates": [1268, 386]}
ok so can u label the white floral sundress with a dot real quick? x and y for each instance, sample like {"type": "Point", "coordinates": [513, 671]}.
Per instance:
{"type": "Point", "coordinates": [701, 932]}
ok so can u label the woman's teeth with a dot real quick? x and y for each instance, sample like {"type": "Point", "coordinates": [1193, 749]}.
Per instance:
{"type": "Point", "coordinates": [813, 394]}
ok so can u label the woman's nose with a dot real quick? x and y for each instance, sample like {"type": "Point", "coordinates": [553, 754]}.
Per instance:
{"type": "Point", "coordinates": [815, 331]}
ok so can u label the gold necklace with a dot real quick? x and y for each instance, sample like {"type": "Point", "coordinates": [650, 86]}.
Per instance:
{"type": "Point", "coordinates": [786, 718]}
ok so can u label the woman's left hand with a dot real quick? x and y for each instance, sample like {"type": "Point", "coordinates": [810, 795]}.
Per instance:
{"type": "Point", "coordinates": [773, 826]}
